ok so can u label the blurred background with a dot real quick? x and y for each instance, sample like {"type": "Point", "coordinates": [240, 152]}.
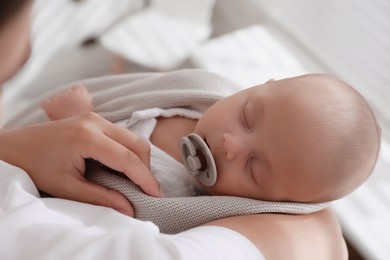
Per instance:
{"type": "Point", "coordinates": [248, 41]}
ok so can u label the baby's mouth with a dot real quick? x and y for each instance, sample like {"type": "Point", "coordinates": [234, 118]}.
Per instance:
{"type": "Point", "coordinates": [210, 149]}
{"type": "Point", "coordinates": [205, 140]}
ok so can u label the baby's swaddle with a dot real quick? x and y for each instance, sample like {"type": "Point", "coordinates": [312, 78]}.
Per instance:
{"type": "Point", "coordinates": [116, 97]}
{"type": "Point", "coordinates": [174, 215]}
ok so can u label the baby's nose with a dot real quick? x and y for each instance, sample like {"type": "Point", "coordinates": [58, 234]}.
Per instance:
{"type": "Point", "coordinates": [233, 146]}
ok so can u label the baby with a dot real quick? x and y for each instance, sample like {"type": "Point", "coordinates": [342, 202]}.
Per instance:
{"type": "Point", "coordinates": [310, 138]}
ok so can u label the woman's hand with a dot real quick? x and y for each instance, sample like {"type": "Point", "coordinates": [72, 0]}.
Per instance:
{"type": "Point", "coordinates": [54, 154]}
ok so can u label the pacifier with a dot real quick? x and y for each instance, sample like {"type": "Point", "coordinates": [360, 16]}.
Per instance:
{"type": "Point", "coordinates": [198, 159]}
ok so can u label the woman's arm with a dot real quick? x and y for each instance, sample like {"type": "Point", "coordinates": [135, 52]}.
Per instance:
{"type": "Point", "coordinates": [53, 154]}
{"type": "Point", "coordinates": [281, 236]}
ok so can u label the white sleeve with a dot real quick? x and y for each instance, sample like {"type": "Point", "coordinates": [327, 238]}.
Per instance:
{"type": "Point", "coordinates": [35, 228]}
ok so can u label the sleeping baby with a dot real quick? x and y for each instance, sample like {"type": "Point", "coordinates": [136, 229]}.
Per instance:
{"type": "Point", "coordinates": [310, 138]}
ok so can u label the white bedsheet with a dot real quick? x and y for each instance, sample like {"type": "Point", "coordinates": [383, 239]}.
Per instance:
{"type": "Point", "coordinates": [50, 228]}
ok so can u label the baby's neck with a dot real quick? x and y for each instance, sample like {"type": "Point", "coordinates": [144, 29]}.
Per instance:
{"type": "Point", "coordinates": [168, 132]}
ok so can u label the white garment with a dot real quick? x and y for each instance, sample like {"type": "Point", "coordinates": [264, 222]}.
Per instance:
{"type": "Point", "coordinates": [172, 176]}
{"type": "Point", "coordinates": [52, 228]}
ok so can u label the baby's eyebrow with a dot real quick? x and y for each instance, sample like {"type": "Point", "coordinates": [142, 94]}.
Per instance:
{"type": "Point", "coordinates": [267, 163]}
{"type": "Point", "coordinates": [255, 109]}
{"type": "Point", "coordinates": [261, 171]}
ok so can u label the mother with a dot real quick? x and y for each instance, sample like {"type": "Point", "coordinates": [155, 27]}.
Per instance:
{"type": "Point", "coordinates": [64, 144]}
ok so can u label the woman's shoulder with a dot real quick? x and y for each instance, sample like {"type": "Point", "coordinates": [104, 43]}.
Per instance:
{"type": "Point", "coordinates": [283, 236]}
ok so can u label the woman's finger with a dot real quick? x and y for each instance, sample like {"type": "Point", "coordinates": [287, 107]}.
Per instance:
{"type": "Point", "coordinates": [79, 189]}
{"type": "Point", "coordinates": [121, 135]}
{"type": "Point", "coordinates": [96, 145]}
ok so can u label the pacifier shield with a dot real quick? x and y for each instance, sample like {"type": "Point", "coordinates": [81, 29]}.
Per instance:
{"type": "Point", "coordinates": [198, 159]}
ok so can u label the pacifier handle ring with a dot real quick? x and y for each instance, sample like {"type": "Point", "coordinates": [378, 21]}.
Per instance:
{"type": "Point", "coordinates": [191, 146]}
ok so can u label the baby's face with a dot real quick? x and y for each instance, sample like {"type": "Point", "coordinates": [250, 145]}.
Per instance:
{"type": "Point", "coordinates": [259, 138]}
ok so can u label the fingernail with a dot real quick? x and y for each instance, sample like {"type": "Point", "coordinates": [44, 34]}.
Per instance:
{"type": "Point", "coordinates": [125, 212]}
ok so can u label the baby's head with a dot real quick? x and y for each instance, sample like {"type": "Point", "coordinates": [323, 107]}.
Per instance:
{"type": "Point", "coordinates": [310, 138]}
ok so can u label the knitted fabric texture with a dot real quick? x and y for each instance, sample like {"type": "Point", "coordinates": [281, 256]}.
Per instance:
{"type": "Point", "coordinates": [174, 215]}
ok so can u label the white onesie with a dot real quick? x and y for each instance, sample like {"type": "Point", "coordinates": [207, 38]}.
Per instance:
{"type": "Point", "coordinates": [172, 176]}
